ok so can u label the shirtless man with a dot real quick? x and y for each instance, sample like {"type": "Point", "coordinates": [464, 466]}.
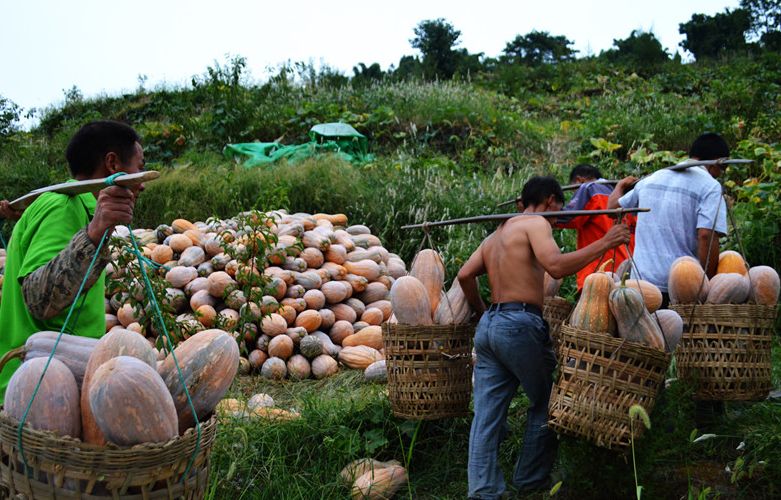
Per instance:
{"type": "Point", "coordinates": [512, 341]}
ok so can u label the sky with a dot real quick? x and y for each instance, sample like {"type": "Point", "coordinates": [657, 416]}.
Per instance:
{"type": "Point", "coordinates": [103, 46]}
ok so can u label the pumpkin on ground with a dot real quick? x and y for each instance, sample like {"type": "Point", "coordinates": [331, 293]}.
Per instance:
{"type": "Point", "coordinates": [379, 483]}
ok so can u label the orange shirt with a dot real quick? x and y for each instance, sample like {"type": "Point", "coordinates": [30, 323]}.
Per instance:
{"type": "Point", "coordinates": [592, 196]}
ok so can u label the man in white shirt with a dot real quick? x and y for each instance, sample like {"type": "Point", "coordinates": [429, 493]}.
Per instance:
{"type": "Point", "coordinates": [688, 214]}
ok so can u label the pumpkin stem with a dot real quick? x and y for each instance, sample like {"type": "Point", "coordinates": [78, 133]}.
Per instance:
{"type": "Point", "coordinates": [604, 265]}
{"type": "Point", "coordinates": [623, 278]}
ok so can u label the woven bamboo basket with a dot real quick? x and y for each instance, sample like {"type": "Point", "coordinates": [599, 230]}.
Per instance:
{"type": "Point", "coordinates": [600, 378]}
{"type": "Point", "coordinates": [429, 370]}
{"type": "Point", "coordinates": [556, 310]}
{"type": "Point", "coordinates": [726, 350]}
{"type": "Point", "coordinates": [67, 468]}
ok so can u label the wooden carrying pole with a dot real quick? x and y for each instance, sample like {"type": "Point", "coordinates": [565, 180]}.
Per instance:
{"type": "Point", "coordinates": [86, 186]}
{"type": "Point", "coordinates": [677, 167]}
{"type": "Point", "coordinates": [501, 217]}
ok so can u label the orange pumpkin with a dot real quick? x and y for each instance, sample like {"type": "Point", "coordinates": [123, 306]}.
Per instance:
{"type": "Point", "coordinates": [360, 356]}
{"type": "Point", "coordinates": [309, 319]}
{"type": "Point", "coordinates": [370, 336]}
{"type": "Point", "coordinates": [731, 262]}
{"type": "Point", "coordinates": [687, 283]}
{"type": "Point", "coordinates": [410, 301]}
{"type": "Point", "coordinates": [430, 270]}
{"type": "Point", "coordinates": [652, 296]}
{"type": "Point", "coordinates": [592, 312]}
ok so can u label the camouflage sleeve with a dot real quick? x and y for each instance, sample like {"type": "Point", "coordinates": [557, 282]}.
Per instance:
{"type": "Point", "coordinates": [50, 289]}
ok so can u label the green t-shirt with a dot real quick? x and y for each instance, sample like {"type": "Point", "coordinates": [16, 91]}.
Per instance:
{"type": "Point", "coordinates": [45, 228]}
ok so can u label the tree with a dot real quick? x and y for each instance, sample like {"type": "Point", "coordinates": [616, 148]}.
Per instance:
{"type": "Point", "coordinates": [365, 75]}
{"type": "Point", "coordinates": [765, 15]}
{"type": "Point", "coordinates": [639, 50]}
{"type": "Point", "coordinates": [539, 47]}
{"type": "Point", "coordinates": [711, 36]}
{"type": "Point", "coordinates": [435, 39]}
{"type": "Point", "coordinates": [9, 116]}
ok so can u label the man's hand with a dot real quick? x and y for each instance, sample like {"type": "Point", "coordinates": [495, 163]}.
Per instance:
{"type": "Point", "coordinates": [115, 206]}
{"type": "Point", "coordinates": [617, 235]}
{"type": "Point", "coordinates": [621, 188]}
{"type": "Point", "coordinates": [8, 213]}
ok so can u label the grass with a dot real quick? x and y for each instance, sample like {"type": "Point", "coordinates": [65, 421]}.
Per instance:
{"type": "Point", "coordinates": [343, 418]}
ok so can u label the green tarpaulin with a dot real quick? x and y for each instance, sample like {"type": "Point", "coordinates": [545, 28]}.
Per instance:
{"type": "Point", "coordinates": [338, 138]}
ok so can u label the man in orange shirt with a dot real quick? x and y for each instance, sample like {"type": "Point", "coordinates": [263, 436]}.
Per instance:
{"type": "Point", "coordinates": [593, 196]}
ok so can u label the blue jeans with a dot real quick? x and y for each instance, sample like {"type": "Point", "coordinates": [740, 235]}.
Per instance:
{"type": "Point", "coordinates": [513, 347]}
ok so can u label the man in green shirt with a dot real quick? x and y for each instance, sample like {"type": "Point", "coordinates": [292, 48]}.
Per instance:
{"type": "Point", "coordinates": [57, 237]}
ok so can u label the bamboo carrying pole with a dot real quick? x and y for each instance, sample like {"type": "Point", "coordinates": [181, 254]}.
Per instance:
{"type": "Point", "coordinates": [494, 217]}
{"type": "Point", "coordinates": [677, 167]}
{"type": "Point", "coordinates": [86, 186]}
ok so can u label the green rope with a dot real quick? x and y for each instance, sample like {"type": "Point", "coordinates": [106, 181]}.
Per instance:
{"type": "Point", "coordinates": [51, 355]}
{"type": "Point", "coordinates": [2, 240]}
{"type": "Point", "coordinates": [159, 317]}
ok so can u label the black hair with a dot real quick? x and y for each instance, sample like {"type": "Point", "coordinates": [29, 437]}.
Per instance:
{"type": "Point", "coordinates": [585, 170]}
{"type": "Point", "coordinates": [90, 145]}
{"type": "Point", "coordinates": [538, 188]}
{"type": "Point", "coordinates": [709, 146]}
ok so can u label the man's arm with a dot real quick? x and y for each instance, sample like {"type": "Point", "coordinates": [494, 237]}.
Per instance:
{"type": "Point", "coordinates": [619, 191]}
{"type": "Point", "coordinates": [559, 264]}
{"type": "Point", "coordinates": [50, 289]}
{"type": "Point", "coordinates": [467, 278]}
{"type": "Point", "coordinates": [708, 250]}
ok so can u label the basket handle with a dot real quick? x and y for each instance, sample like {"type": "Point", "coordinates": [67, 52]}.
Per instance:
{"type": "Point", "coordinates": [19, 352]}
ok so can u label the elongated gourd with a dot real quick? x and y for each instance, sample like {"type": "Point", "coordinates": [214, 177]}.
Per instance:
{"type": "Point", "coordinates": [633, 320]}
{"type": "Point", "coordinates": [430, 270]}
{"type": "Point", "coordinates": [592, 312]}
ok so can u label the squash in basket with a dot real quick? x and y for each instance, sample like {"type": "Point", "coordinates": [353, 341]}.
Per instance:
{"type": "Point", "coordinates": [430, 270]}
{"type": "Point", "coordinates": [592, 312]}
{"type": "Point", "coordinates": [765, 285]}
{"type": "Point", "coordinates": [633, 320]}
{"type": "Point", "coordinates": [56, 406]}
{"type": "Point", "coordinates": [731, 261]}
{"type": "Point", "coordinates": [131, 404]}
{"type": "Point", "coordinates": [410, 301]}
{"type": "Point", "coordinates": [687, 283]}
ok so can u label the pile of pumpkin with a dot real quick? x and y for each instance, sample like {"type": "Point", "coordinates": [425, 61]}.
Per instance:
{"type": "Point", "coordinates": [733, 283]}
{"type": "Point", "coordinates": [326, 295]}
{"type": "Point", "coordinates": [120, 389]}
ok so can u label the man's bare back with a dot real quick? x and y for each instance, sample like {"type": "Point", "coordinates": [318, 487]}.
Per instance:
{"type": "Point", "coordinates": [513, 270]}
